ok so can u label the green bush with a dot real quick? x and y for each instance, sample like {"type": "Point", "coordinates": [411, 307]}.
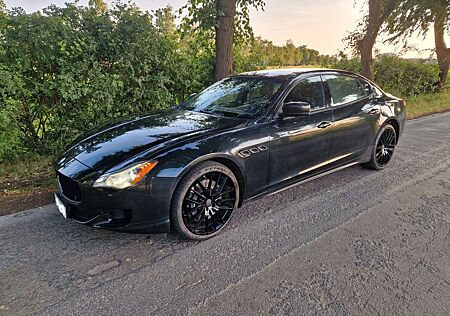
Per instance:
{"type": "Point", "coordinates": [405, 77]}
{"type": "Point", "coordinates": [398, 76]}
{"type": "Point", "coordinates": [353, 65]}
{"type": "Point", "coordinates": [68, 69]}
{"type": "Point", "coordinates": [10, 144]}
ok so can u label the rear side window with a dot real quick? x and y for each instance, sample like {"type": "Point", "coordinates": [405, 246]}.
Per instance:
{"type": "Point", "coordinates": [309, 90]}
{"type": "Point", "coordinates": [344, 89]}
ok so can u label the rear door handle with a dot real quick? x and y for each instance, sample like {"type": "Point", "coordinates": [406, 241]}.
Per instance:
{"type": "Point", "coordinates": [324, 125]}
{"type": "Point", "coordinates": [374, 111]}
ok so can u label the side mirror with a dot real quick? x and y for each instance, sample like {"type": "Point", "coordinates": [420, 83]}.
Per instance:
{"type": "Point", "coordinates": [191, 96]}
{"type": "Point", "coordinates": [296, 109]}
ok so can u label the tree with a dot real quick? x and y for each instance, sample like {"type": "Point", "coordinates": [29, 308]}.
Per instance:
{"type": "Point", "coordinates": [364, 38]}
{"type": "Point", "coordinates": [224, 38]}
{"type": "Point", "coordinates": [99, 6]}
{"type": "Point", "coordinates": [422, 16]}
{"type": "Point", "coordinates": [165, 20]}
{"type": "Point", "coordinates": [3, 14]}
{"type": "Point", "coordinates": [289, 53]}
{"type": "Point", "coordinates": [230, 22]}
{"type": "Point", "coordinates": [441, 24]}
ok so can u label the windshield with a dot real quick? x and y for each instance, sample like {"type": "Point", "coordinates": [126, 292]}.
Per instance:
{"type": "Point", "coordinates": [244, 97]}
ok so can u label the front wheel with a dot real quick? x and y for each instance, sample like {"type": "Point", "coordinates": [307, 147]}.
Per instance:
{"type": "Point", "coordinates": [204, 201]}
{"type": "Point", "coordinates": [384, 148]}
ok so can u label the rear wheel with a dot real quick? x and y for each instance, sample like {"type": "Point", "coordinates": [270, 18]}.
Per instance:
{"type": "Point", "coordinates": [204, 201]}
{"type": "Point", "coordinates": [384, 148]}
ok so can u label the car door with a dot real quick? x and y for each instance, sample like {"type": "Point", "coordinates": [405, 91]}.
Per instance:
{"type": "Point", "coordinates": [300, 145]}
{"type": "Point", "coordinates": [354, 116]}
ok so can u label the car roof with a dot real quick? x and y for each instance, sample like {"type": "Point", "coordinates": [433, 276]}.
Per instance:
{"type": "Point", "coordinates": [287, 73]}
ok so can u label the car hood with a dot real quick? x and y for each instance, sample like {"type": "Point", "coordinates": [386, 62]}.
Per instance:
{"type": "Point", "coordinates": [106, 147]}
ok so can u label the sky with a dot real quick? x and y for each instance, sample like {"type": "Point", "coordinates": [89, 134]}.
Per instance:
{"type": "Point", "coordinates": [319, 24]}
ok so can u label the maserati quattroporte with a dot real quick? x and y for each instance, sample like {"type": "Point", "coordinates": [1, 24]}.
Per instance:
{"type": "Point", "coordinates": [189, 168]}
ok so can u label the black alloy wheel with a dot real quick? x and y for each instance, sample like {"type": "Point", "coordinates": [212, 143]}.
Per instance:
{"type": "Point", "coordinates": [204, 201]}
{"type": "Point", "coordinates": [384, 148]}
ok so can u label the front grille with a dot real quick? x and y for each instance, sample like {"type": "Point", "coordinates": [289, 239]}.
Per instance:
{"type": "Point", "coordinates": [70, 188]}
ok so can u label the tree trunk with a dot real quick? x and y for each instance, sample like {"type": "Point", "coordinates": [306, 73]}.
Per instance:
{"type": "Point", "coordinates": [378, 13]}
{"type": "Point", "coordinates": [224, 38]}
{"type": "Point", "coordinates": [442, 52]}
{"type": "Point", "coordinates": [365, 49]}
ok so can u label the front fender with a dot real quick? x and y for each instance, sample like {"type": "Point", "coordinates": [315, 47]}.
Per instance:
{"type": "Point", "coordinates": [172, 171]}
{"type": "Point", "coordinates": [239, 150]}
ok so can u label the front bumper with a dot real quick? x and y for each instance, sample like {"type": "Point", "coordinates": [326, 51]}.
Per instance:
{"type": "Point", "coordinates": [144, 208]}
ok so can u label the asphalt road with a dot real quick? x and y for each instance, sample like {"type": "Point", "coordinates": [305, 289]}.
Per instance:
{"type": "Point", "coordinates": [355, 242]}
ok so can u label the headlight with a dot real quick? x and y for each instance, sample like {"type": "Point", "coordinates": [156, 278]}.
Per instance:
{"type": "Point", "coordinates": [125, 178]}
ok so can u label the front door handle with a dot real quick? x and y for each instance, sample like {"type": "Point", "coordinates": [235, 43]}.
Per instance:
{"type": "Point", "coordinates": [374, 111]}
{"type": "Point", "coordinates": [324, 125]}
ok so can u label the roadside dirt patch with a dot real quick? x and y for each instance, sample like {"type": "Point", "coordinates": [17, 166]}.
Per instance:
{"type": "Point", "coordinates": [12, 203]}
{"type": "Point", "coordinates": [26, 184]}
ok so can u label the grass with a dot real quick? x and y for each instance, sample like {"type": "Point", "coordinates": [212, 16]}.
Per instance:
{"type": "Point", "coordinates": [427, 104]}
{"type": "Point", "coordinates": [26, 176]}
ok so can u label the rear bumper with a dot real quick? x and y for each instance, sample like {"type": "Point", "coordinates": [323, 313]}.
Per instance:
{"type": "Point", "coordinates": [141, 209]}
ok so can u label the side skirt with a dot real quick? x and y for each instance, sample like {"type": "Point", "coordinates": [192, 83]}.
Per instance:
{"type": "Point", "coordinates": [269, 193]}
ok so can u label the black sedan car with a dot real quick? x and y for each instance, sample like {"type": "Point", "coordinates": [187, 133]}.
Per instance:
{"type": "Point", "coordinates": [187, 169]}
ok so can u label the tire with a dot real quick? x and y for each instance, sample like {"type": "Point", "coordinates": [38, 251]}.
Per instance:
{"type": "Point", "coordinates": [204, 201]}
{"type": "Point", "coordinates": [384, 148]}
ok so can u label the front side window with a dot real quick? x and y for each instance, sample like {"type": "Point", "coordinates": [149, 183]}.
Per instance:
{"type": "Point", "coordinates": [367, 87]}
{"type": "Point", "coordinates": [244, 97]}
{"type": "Point", "coordinates": [344, 89]}
{"type": "Point", "coordinates": [309, 90]}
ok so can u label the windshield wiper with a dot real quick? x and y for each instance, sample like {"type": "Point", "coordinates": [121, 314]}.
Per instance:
{"type": "Point", "coordinates": [209, 112]}
{"type": "Point", "coordinates": [221, 113]}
